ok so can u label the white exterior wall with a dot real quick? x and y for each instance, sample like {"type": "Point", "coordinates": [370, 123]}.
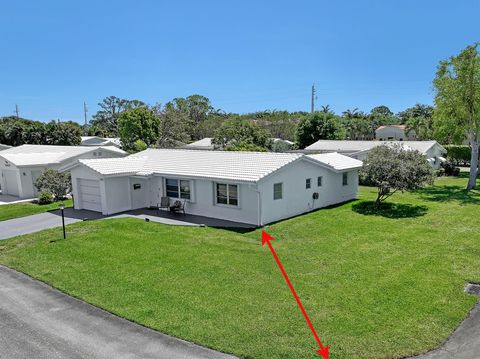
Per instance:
{"type": "Point", "coordinates": [394, 133]}
{"type": "Point", "coordinates": [296, 198]}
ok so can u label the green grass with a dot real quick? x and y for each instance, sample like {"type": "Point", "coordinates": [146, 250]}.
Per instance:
{"type": "Point", "coordinates": [16, 210]}
{"type": "Point", "coordinates": [376, 284]}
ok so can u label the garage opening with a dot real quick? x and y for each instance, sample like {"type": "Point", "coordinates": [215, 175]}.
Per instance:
{"type": "Point", "coordinates": [89, 194]}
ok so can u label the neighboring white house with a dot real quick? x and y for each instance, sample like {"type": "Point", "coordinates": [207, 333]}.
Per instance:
{"type": "Point", "coordinates": [100, 141]}
{"type": "Point", "coordinates": [21, 166]}
{"type": "Point", "coordinates": [394, 133]}
{"type": "Point", "coordinates": [248, 187]}
{"type": "Point", "coordinates": [4, 147]}
{"type": "Point", "coordinates": [433, 151]}
{"type": "Point", "coordinates": [203, 144]}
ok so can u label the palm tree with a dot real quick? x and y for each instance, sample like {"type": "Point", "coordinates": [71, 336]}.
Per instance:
{"type": "Point", "coordinates": [325, 109]}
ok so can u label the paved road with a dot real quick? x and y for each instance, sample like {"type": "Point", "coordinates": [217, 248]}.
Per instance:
{"type": "Point", "coordinates": [30, 224]}
{"type": "Point", "coordinates": [464, 342]}
{"type": "Point", "coordinates": [37, 321]}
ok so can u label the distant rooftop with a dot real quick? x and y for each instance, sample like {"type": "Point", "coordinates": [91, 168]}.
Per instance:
{"type": "Point", "coordinates": [357, 146]}
{"type": "Point", "coordinates": [29, 155]}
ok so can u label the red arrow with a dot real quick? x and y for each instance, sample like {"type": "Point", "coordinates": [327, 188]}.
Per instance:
{"type": "Point", "coordinates": [323, 351]}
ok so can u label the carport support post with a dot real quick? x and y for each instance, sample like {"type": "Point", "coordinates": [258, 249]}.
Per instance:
{"type": "Point", "coordinates": [62, 207]}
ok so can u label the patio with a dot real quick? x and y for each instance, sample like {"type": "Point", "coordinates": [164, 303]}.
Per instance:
{"type": "Point", "coordinates": [154, 215]}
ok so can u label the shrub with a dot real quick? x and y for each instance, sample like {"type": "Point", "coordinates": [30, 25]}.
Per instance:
{"type": "Point", "coordinates": [56, 183]}
{"type": "Point", "coordinates": [45, 198]}
{"type": "Point", "coordinates": [449, 169]}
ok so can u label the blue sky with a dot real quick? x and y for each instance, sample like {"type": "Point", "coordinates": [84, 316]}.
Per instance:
{"type": "Point", "coordinates": [243, 55]}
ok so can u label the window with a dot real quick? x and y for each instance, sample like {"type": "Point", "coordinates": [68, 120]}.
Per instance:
{"type": "Point", "coordinates": [227, 194]}
{"type": "Point", "coordinates": [345, 179]}
{"type": "Point", "coordinates": [308, 183]}
{"type": "Point", "coordinates": [278, 191]}
{"type": "Point", "coordinates": [177, 188]}
{"type": "Point", "coordinates": [319, 181]}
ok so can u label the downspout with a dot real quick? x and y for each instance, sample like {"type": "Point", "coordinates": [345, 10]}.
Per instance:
{"type": "Point", "coordinates": [259, 206]}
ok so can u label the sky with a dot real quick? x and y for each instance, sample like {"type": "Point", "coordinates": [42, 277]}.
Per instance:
{"type": "Point", "coordinates": [244, 55]}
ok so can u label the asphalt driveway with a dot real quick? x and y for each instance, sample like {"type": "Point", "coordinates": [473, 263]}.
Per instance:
{"type": "Point", "coordinates": [37, 321]}
{"type": "Point", "coordinates": [464, 343]}
{"type": "Point", "coordinates": [30, 224]}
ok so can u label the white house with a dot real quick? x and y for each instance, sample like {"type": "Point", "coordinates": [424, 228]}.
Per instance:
{"type": "Point", "coordinates": [21, 166]}
{"type": "Point", "coordinates": [248, 187]}
{"type": "Point", "coordinates": [433, 151]}
{"type": "Point", "coordinates": [394, 133]}
{"type": "Point", "coordinates": [203, 144]}
{"type": "Point", "coordinates": [100, 141]}
{"type": "Point", "coordinates": [4, 147]}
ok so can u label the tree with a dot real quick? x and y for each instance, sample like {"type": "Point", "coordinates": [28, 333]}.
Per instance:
{"type": "Point", "coordinates": [195, 110]}
{"type": "Point", "coordinates": [417, 111]}
{"type": "Point", "coordinates": [392, 169]}
{"type": "Point", "coordinates": [139, 123]}
{"type": "Point", "coordinates": [104, 122]}
{"type": "Point", "coordinates": [319, 126]}
{"type": "Point", "coordinates": [457, 100]}
{"type": "Point", "coordinates": [357, 125]}
{"type": "Point", "coordinates": [240, 132]}
{"type": "Point", "coordinates": [173, 125]}
{"type": "Point", "coordinates": [63, 133]}
{"type": "Point", "coordinates": [54, 182]}
{"type": "Point", "coordinates": [326, 109]}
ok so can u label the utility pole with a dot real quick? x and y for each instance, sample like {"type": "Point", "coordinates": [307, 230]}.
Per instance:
{"type": "Point", "coordinates": [313, 98]}
{"type": "Point", "coordinates": [85, 110]}
{"type": "Point", "coordinates": [16, 110]}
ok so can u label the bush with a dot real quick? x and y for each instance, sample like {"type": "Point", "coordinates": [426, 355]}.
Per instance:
{"type": "Point", "coordinates": [45, 198]}
{"type": "Point", "coordinates": [56, 183]}
{"type": "Point", "coordinates": [449, 169]}
{"type": "Point", "coordinates": [459, 154]}
{"type": "Point", "coordinates": [393, 169]}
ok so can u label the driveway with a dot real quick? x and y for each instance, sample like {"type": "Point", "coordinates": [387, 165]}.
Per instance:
{"type": "Point", "coordinates": [37, 321]}
{"type": "Point", "coordinates": [30, 224]}
{"type": "Point", "coordinates": [464, 343]}
{"type": "Point", "coordinates": [7, 199]}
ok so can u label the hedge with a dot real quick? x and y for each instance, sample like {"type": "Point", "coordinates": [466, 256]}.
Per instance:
{"type": "Point", "coordinates": [459, 154]}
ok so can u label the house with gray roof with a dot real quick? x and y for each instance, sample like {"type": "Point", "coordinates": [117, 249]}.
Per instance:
{"type": "Point", "coordinates": [245, 187]}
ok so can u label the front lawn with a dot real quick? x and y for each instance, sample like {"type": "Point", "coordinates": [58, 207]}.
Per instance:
{"type": "Point", "coordinates": [16, 210]}
{"type": "Point", "coordinates": [376, 285]}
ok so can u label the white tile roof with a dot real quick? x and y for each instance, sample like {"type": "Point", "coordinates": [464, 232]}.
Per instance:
{"type": "Point", "coordinates": [203, 143]}
{"type": "Point", "coordinates": [337, 161]}
{"type": "Point", "coordinates": [357, 146]}
{"type": "Point", "coordinates": [30, 155]}
{"type": "Point", "coordinates": [226, 165]}
{"type": "Point", "coordinates": [4, 147]}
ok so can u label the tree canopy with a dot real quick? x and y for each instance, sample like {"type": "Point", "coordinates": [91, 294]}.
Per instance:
{"type": "Point", "coordinates": [393, 169]}
{"type": "Point", "coordinates": [457, 101]}
{"type": "Point", "coordinates": [240, 133]}
{"type": "Point", "coordinates": [319, 126]}
{"type": "Point", "coordinates": [139, 123]}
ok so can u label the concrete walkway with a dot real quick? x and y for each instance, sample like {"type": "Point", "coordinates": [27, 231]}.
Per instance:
{"type": "Point", "coordinates": [7, 199]}
{"type": "Point", "coordinates": [464, 343]}
{"type": "Point", "coordinates": [37, 321]}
